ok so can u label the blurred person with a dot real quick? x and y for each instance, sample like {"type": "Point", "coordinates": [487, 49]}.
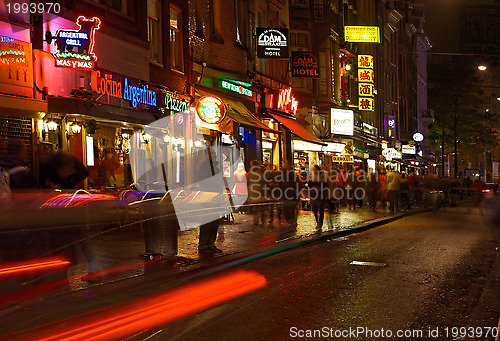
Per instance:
{"type": "Point", "coordinates": [454, 192]}
{"type": "Point", "coordinates": [61, 170]}
{"type": "Point", "coordinates": [334, 192]}
{"type": "Point", "coordinates": [352, 184]}
{"type": "Point", "coordinates": [272, 195]}
{"type": "Point", "coordinates": [256, 196]}
{"type": "Point", "coordinates": [289, 197]}
{"type": "Point", "coordinates": [317, 186]}
{"type": "Point", "coordinates": [360, 177]}
{"type": "Point", "coordinates": [208, 168]}
{"type": "Point", "coordinates": [15, 164]}
{"type": "Point", "coordinates": [383, 192]}
{"type": "Point", "coordinates": [393, 185]}
{"type": "Point", "coordinates": [412, 182]}
{"type": "Point", "coordinates": [240, 180]}
{"type": "Point", "coordinates": [477, 191]}
{"type": "Point", "coordinates": [404, 192]}
{"type": "Point", "coordinates": [372, 189]}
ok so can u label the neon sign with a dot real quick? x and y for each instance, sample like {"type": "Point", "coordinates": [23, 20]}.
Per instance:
{"type": "Point", "coordinates": [362, 34]}
{"type": "Point", "coordinates": [105, 85]}
{"type": "Point", "coordinates": [172, 102]}
{"type": "Point", "coordinates": [211, 109]}
{"type": "Point", "coordinates": [236, 88]}
{"type": "Point", "coordinates": [138, 95]}
{"type": "Point", "coordinates": [76, 47]}
{"type": "Point", "coordinates": [286, 101]}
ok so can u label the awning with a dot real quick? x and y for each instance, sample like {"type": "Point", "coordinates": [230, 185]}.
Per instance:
{"type": "Point", "coordinates": [21, 106]}
{"type": "Point", "coordinates": [239, 113]}
{"type": "Point", "coordinates": [297, 129]}
{"type": "Point", "coordinates": [71, 105]}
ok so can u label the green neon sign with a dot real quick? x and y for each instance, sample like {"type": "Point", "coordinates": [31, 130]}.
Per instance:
{"type": "Point", "coordinates": [236, 88]}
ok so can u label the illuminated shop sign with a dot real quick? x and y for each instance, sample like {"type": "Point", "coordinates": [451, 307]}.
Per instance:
{"type": "Point", "coordinates": [407, 149]}
{"type": "Point", "coordinates": [365, 61]}
{"type": "Point", "coordinates": [305, 64]}
{"type": "Point", "coordinates": [365, 89]}
{"type": "Point", "coordinates": [362, 34]}
{"type": "Point", "coordinates": [367, 128]}
{"type": "Point", "coordinates": [366, 104]}
{"type": "Point", "coordinates": [390, 126]}
{"type": "Point", "coordinates": [105, 85]}
{"type": "Point", "coordinates": [418, 137]}
{"type": "Point", "coordinates": [342, 121]}
{"type": "Point", "coordinates": [16, 62]}
{"type": "Point", "coordinates": [342, 158]}
{"type": "Point", "coordinates": [136, 94]}
{"type": "Point", "coordinates": [391, 153]}
{"type": "Point", "coordinates": [365, 83]}
{"type": "Point", "coordinates": [365, 75]}
{"type": "Point", "coordinates": [172, 102]}
{"type": "Point", "coordinates": [236, 88]}
{"type": "Point", "coordinates": [286, 102]}
{"type": "Point", "coordinates": [272, 42]}
{"type": "Point", "coordinates": [211, 109]}
{"type": "Point", "coordinates": [76, 47]}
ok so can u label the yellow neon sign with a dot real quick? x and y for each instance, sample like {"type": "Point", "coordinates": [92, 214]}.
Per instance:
{"type": "Point", "coordinates": [362, 34]}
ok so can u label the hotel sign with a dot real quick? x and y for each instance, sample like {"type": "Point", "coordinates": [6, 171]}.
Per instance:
{"type": "Point", "coordinates": [305, 64]}
{"type": "Point", "coordinates": [272, 43]}
{"type": "Point", "coordinates": [362, 34]}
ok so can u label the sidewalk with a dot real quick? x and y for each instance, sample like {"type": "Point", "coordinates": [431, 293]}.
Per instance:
{"type": "Point", "coordinates": [118, 249]}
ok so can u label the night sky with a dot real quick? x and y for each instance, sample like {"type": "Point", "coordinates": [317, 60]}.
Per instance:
{"type": "Point", "coordinates": [441, 24]}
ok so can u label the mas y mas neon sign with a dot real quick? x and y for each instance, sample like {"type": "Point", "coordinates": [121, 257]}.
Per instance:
{"type": "Point", "coordinates": [76, 47]}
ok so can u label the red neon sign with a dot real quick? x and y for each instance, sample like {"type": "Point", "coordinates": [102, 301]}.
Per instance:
{"type": "Point", "coordinates": [286, 101]}
{"type": "Point", "coordinates": [211, 109]}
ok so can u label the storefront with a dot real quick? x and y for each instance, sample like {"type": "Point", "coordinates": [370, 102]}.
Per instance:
{"type": "Point", "coordinates": [21, 105]}
{"type": "Point", "coordinates": [228, 124]}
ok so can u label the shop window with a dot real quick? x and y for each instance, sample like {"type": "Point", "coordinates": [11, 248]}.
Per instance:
{"type": "Point", "coordinates": [154, 31]}
{"type": "Point", "coordinates": [176, 39]}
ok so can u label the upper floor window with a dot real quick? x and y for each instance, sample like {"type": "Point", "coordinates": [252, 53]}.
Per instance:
{"type": "Point", "coordinates": [176, 39]}
{"type": "Point", "coordinates": [154, 31]}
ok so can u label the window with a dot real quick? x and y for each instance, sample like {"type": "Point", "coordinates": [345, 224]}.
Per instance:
{"type": "Point", "coordinates": [119, 5]}
{"type": "Point", "coordinates": [176, 40]}
{"type": "Point", "coordinates": [154, 31]}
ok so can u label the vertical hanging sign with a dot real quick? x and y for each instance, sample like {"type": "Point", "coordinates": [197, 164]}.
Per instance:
{"type": "Point", "coordinates": [365, 83]}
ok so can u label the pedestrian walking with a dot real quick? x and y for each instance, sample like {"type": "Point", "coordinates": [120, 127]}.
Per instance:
{"type": "Point", "coordinates": [317, 185]}
{"type": "Point", "coordinates": [393, 185]}
{"type": "Point", "coordinates": [240, 188]}
{"type": "Point", "coordinates": [256, 197]}
{"type": "Point", "coordinates": [208, 231]}
{"type": "Point", "coordinates": [289, 198]}
{"type": "Point", "coordinates": [372, 189]}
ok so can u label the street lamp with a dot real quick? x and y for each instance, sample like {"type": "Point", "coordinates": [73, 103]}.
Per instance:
{"type": "Point", "coordinates": [482, 67]}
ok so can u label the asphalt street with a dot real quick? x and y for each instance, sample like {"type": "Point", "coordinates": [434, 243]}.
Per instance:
{"type": "Point", "coordinates": [427, 275]}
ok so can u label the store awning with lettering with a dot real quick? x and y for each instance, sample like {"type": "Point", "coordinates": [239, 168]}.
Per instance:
{"type": "Point", "coordinates": [297, 129]}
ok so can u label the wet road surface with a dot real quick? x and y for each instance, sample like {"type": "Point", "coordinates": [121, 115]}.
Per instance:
{"type": "Point", "coordinates": [431, 272]}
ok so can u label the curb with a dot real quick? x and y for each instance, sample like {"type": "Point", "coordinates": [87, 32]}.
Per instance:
{"type": "Point", "coordinates": [226, 261]}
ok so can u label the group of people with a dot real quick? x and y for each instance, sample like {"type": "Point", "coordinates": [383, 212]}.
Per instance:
{"type": "Point", "coordinates": [275, 192]}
